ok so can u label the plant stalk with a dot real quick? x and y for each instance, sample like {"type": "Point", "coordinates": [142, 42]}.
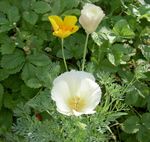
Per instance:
{"type": "Point", "coordinates": [84, 53]}
{"type": "Point", "coordinates": [62, 47]}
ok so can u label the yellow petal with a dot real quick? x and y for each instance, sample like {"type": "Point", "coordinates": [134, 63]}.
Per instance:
{"type": "Point", "coordinates": [74, 29]}
{"type": "Point", "coordinates": [56, 22]}
{"type": "Point", "coordinates": [70, 20]}
{"type": "Point", "coordinates": [62, 34]}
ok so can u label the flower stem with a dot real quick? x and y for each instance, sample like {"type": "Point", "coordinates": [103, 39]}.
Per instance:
{"type": "Point", "coordinates": [62, 48]}
{"type": "Point", "coordinates": [84, 53]}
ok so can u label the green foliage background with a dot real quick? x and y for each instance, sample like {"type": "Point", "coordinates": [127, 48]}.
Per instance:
{"type": "Point", "coordinates": [30, 58]}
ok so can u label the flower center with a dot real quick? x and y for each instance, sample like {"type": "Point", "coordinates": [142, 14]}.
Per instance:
{"type": "Point", "coordinates": [76, 103]}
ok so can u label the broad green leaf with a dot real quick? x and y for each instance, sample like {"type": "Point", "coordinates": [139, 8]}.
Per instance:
{"type": "Point", "coordinates": [27, 92]}
{"type": "Point", "coordinates": [9, 102]}
{"type": "Point", "coordinates": [13, 82]}
{"type": "Point", "coordinates": [29, 76]}
{"type": "Point", "coordinates": [34, 83]}
{"type": "Point", "coordinates": [4, 6]}
{"type": "Point", "coordinates": [16, 69]}
{"type": "Point", "coordinates": [30, 16]}
{"type": "Point", "coordinates": [7, 48]}
{"type": "Point", "coordinates": [47, 74]}
{"type": "Point", "coordinates": [5, 120]}
{"type": "Point", "coordinates": [122, 29]}
{"type": "Point", "coordinates": [3, 21]}
{"type": "Point", "coordinates": [146, 120]}
{"type": "Point", "coordinates": [6, 27]}
{"type": "Point", "coordinates": [120, 54]}
{"type": "Point", "coordinates": [145, 51]}
{"type": "Point", "coordinates": [72, 12]}
{"type": "Point", "coordinates": [103, 34]}
{"type": "Point", "coordinates": [145, 12]}
{"type": "Point", "coordinates": [1, 95]}
{"type": "Point", "coordinates": [131, 97]}
{"type": "Point", "coordinates": [38, 59]}
{"type": "Point", "coordinates": [73, 47]}
{"type": "Point", "coordinates": [137, 94]}
{"type": "Point", "coordinates": [141, 69]}
{"type": "Point", "coordinates": [13, 14]}
{"type": "Point", "coordinates": [143, 135]}
{"type": "Point", "coordinates": [12, 61]}
{"type": "Point", "coordinates": [41, 7]}
{"type": "Point", "coordinates": [26, 4]}
{"type": "Point", "coordinates": [69, 4]}
{"type": "Point", "coordinates": [148, 103]}
{"type": "Point", "coordinates": [56, 7]}
{"type": "Point", "coordinates": [3, 74]}
{"type": "Point", "coordinates": [106, 66]}
{"type": "Point", "coordinates": [131, 125]}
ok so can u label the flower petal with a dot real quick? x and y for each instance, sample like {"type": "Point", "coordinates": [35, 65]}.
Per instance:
{"type": "Point", "coordinates": [61, 33]}
{"type": "Point", "coordinates": [91, 92]}
{"type": "Point", "coordinates": [74, 29]}
{"type": "Point", "coordinates": [73, 79]}
{"type": "Point", "coordinates": [56, 22]}
{"type": "Point", "coordinates": [60, 93]}
{"type": "Point", "coordinates": [76, 93]}
{"type": "Point", "coordinates": [70, 20]}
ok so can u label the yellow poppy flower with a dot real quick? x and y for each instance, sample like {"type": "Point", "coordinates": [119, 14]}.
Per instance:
{"type": "Point", "coordinates": [64, 28]}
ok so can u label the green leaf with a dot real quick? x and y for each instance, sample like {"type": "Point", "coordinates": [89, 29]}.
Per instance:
{"type": "Point", "coordinates": [34, 83]}
{"type": "Point", "coordinates": [4, 6]}
{"type": "Point", "coordinates": [26, 4]}
{"type": "Point", "coordinates": [13, 14]}
{"type": "Point", "coordinates": [30, 16]}
{"type": "Point", "coordinates": [148, 103]}
{"type": "Point", "coordinates": [145, 51]}
{"type": "Point", "coordinates": [144, 134]}
{"type": "Point", "coordinates": [144, 12]}
{"type": "Point", "coordinates": [6, 27]}
{"type": "Point", "coordinates": [12, 61]}
{"type": "Point", "coordinates": [72, 12]}
{"type": "Point", "coordinates": [122, 28]}
{"type": "Point", "coordinates": [5, 120]}
{"type": "Point", "coordinates": [29, 76]}
{"type": "Point", "coordinates": [47, 74]}
{"type": "Point", "coordinates": [3, 74]}
{"type": "Point", "coordinates": [131, 98]}
{"type": "Point", "coordinates": [68, 4]}
{"type": "Point", "coordinates": [131, 125]}
{"type": "Point", "coordinates": [16, 69]}
{"type": "Point", "coordinates": [27, 92]}
{"type": "Point", "coordinates": [102, 35]}
{"type": "Point", "coordinates": [56, 7]}
{"type": "Point", "coordinates": [40, 102]}
{"type": "Point", "coordinates": [9, 102]}
{"type": "Point", "coordinates": [39, 59]}
{"type": "Point", "coordinates": [146, 120]}
{"type": "Point", "coordinates": [41, 7]}
{"type": "Point", "coordinates": [142, 68]}
{"type": "Point", "coordinates": [3, 20]}
{"type": "Point", "coordinates": [9, 83]}
{"type": "Point", "coordinates": [120, 54]}
{"type": "Point", "coordinates": [73, 47]}
{"type": "Point", "coordinates": [7, 48]}
{"type": "Point", "coordinates": [1, 95]}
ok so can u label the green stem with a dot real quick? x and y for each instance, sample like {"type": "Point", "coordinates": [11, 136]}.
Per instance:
{"type": "Point", "coordinates": [84, 53]}
{"type": "Point", "coordinates": [62, 47]}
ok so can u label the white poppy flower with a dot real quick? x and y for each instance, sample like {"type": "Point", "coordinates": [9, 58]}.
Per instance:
{"type": "Point", "coordinates": [91, 16]}
{"type": "Point", "coordinates": [76, 93]}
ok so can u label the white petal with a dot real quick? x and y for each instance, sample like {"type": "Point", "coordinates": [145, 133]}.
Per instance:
{"type": "Point", "coordinates": [91, 92]}
{"type": "Point", "coordinates": [76, 84]}
{"type": "Point", "coordinates": [60, 93]}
